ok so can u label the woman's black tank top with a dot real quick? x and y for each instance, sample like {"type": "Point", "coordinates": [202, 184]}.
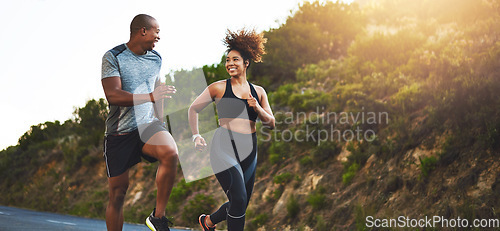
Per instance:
{"type": "Point", "coordinates": [231, 106]}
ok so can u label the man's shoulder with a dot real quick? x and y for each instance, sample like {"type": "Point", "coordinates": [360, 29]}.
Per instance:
{"type": "Point", "coordinates": [156, 53]}
{"type": "Point", "coordinates": [118, 49]}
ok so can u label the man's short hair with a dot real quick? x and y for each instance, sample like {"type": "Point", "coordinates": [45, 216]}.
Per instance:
{"type": "Point", "coordinates": [140, 21]}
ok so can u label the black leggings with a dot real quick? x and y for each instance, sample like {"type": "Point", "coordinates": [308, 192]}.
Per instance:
{"type": "Point", "coordinates": [234, 159]}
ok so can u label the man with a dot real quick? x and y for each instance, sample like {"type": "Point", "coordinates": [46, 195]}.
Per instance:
{"type": "Point", "coordinates": [130, 78]}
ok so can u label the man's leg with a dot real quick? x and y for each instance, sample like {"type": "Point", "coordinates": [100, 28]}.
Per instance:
{"type": "Point", "coordinates": [162, 147]}
{"type": "Point", "coordinates": [118, 186]}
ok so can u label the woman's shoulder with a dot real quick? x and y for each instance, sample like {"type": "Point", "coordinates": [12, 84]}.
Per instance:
{"type": "Point", "coordinates": [259, 89]}
{"type": "Point", "coordinates": [218, 86]}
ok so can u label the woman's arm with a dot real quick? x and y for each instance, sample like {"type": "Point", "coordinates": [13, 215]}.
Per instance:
{"type": "Point", "coordinates": [198, 104]}
{"type": "Point", "coordinates": [264, 109]}
{"type": "Point", "coordinates": [204, 99]}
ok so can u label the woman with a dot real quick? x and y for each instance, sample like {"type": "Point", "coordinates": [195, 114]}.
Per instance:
{"type": "Point", "coordinates": [233, 152]}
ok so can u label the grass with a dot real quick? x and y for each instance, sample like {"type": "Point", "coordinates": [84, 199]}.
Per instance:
{"type": "Point", "coordinates": [427, 164]}
{"type": "Point", "coordinates": [350, 173]}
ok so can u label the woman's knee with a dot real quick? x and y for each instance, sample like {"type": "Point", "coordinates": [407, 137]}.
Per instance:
{"type": "Point", "coordinates": [238, 205]}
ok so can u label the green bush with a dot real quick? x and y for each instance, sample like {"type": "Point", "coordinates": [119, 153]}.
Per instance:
{"type": "Point", "coordinates": [320, 224]}
{"type": "Point", "coordinates": [317, 201]}
{"type": "Point", "coordinates": [360, 152]}
{"type": "Point", "coordinates": [427, 164]}
{"type": "Point", "coordinates": [179, 193]}
{"type": "Point", "coordinates": [261, 219]}
{"type": "Point", "coordinates": [292, 207]}
{"type": "Point", "coordinates": [306, 161]}
{"type": "Point", "coordinates": [278, 150]}
{"type": "Point", "coordinates": [198, 205]}
{"type": "Point", "coordinates": [323, 152]}
{"type": "Point", "coordinates": [275, 158]}
{"type": "Point", "coordinates": [276, 194]}
{"type": "Point", "coordinates": [350, 173]}
{"type": "Point", "coordinates": [256, 222]}
{"type": "Point", "coordinates": [282, 178]}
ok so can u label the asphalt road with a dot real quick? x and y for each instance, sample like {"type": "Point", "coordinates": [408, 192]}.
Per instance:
{"type": "Point", "coordinates": [22, 219]}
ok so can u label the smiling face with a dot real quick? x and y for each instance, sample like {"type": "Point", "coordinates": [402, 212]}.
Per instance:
{"type": "Point", "coordinates": [235, 65]}
{"type": "Point", "coordinates": [151, 36]}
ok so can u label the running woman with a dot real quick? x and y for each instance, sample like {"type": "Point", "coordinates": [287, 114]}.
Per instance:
{"type": "Point", "coordinates": [233, 152]}
{"type": "Point", "coordinates": [130, 78]}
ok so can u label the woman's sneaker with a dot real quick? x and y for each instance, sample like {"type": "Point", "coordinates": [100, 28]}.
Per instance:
{"type": "Point", "coordinates": [158, 224]}
{"type": "Point", "coordinates": [203, 222]}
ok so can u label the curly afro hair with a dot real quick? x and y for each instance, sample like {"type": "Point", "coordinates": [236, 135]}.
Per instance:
{"type": "Point", "coordinates": [248, 42]}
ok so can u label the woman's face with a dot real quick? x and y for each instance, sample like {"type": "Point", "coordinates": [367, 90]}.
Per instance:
{"type": "Point", "coordinates": [235, 65]}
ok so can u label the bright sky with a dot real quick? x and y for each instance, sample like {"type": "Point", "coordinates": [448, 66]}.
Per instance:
{"type": "Point", "coordinates": [51, 50]}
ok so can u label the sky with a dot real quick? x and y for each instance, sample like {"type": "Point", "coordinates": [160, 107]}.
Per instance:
{"type": "Point", "coordinates": [51, 50]}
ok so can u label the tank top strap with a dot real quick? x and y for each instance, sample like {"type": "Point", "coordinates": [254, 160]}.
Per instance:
{"type": "Point", "coordinates": [229, 90]}
{"type": "Point", "coordinates": [254, 92]}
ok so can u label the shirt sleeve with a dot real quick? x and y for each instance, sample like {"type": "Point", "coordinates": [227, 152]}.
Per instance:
{"type": "Point", "coordinates": [109, 66]}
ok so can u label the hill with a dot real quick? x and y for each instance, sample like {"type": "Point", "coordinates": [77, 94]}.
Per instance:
{"type": "Point", "coordinates": [385, 110]}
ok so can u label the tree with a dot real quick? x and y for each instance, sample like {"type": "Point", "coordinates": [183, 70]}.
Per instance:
{"type": "Point", "coordinates": [317, 31]}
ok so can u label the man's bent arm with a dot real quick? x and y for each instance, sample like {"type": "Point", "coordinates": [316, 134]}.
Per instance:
{"type": "Point", "coordinates": [117, 96]}
{"type": "Point", "coordinates": [158, 104]}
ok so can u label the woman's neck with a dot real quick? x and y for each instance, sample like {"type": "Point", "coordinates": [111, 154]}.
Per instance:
{"type": "Point", "coordinates": [239, 80]}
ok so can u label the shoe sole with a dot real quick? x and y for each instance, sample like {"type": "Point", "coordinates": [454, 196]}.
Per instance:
{"type": "Point", "coordinates": [199, 220]}
{"type": "Point", "coordinates": [150, 225]}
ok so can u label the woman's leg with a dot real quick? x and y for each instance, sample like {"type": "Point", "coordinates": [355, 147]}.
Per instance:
{"type": "Point", "coordinates": [233, 211]}
{"type": "Point", "coordinates": [249, 167]}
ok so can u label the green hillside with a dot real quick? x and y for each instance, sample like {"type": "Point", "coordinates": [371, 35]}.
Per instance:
{"type": "Point", "coordinates": [385, 109]}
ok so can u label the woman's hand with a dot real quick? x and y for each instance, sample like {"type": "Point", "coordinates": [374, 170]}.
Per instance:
{"type": "Point", "coordinates": [199, 143]}
{"type": "Point", "coordinates": [252, 102]}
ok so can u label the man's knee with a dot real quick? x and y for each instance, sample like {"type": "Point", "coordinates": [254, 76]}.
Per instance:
{"type": "Point", "coordinates": [166, 154]}
{"type": "Point", "coordinates": [117, 195]}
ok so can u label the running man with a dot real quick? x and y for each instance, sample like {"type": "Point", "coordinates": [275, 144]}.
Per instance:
{"type": "Point", "coordinates": [130, 78]}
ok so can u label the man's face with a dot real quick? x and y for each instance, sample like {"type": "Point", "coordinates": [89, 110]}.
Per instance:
{"type": "Point", "coordinates": [152, 35]}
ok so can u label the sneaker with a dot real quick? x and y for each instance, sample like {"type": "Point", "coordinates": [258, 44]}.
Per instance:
{"type": "Point", "coordinates": [203, 223]}
{"type": "Point", "coordinates": [158, 224]}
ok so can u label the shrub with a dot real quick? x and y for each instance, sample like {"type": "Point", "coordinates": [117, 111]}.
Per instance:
{"type": "Point", "coordinates": [275, 158]}
{"type": "Point", "coordinates": [256, 222]}
{"type": "Point", "coordinates": [292, 207]}
{"type": "Point", "coordinates": [317, 201]}
{"type": "Point", "coordinates": [278, 151]}
{"type": "Point", "coordinates": [277, 193]}
{"type": "Point", "coordinates": [427, 164]}
{"type": "Point", "coordinates": [306, 161]}
{"type": "Point", "coordinates": [350, 173]}
{"type": "Point", "coordinates": [261, 219]}
{"type": "Point", "coordinates": [320, 224]}
{"type": "Point", "coordinates": [323, 152]}
{"type": "Point", "coordinates": [282, 178]}
{"type": "Point", "coordinates": [179, 193]}
{"type": "Point", "coordinates": [198, 205]}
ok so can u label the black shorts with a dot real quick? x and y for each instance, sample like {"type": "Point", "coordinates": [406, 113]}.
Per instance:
{"type": "Point", "coordinates": [121, 152]}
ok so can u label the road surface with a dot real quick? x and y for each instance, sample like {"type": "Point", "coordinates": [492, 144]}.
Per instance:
{"type": "Point", "coordinates": [21, 219]}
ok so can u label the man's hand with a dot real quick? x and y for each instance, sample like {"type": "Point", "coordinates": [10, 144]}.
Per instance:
{"type": "Point", "coordinates": [163, 91]}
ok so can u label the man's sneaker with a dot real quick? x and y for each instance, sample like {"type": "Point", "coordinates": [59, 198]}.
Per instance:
{"type": "Point", "coordinates": [203, 222]}
{"type": "Point", "coordinates": [158, 224]}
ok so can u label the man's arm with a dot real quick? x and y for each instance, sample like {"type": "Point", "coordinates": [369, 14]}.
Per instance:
{"type": "Point", "coordinates": [117, 96]}
{"type": "Point", "coordinates": [158, 104]}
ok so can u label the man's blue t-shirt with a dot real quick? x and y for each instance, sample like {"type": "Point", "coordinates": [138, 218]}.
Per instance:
{"type": "Point", "coordinates": [138, 74]}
